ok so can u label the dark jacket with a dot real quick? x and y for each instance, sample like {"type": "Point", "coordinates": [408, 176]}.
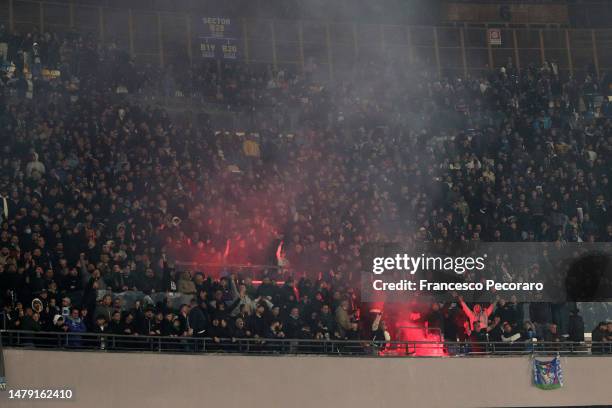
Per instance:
{"type": "Point", "coordinates": [292, 327]}
{"type": "Point", "coordinates": [257, 325]}
{"type": "Point", "coordinates": [117, 281]}
{"type": "Point", "coordinates": [29, 324]}
{"type": "Point", "coordinates": [169, 279]}
{"type": "Point", "coordinates": [198, 321]}
{"type": "Point", "coordinates": [576, 328]}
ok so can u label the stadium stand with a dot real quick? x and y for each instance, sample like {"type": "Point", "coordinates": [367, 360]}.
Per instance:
{"type": "Point", "coordinates": [120, 218]}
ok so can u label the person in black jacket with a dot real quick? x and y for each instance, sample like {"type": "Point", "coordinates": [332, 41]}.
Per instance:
{"type": "Point", "coordinates": [91, 291]}
{"type": "Point", "coordinates": [71, 282]}
{"type": "Point", "coordinates": [186, 329]}
{"type": "Point", "coordinates": [167, 327]}
{"type": "Point", "coordinates": [171, 327]}
{"type": "Point", "coordinates": [147, 324]}
{"type": "Point", "coordinates": [169, 278]}
{"type": "Point", "coordinates": [257, 322]}
{"type": "Point", "coordinates": [100, 327]}
{"type": "Point", "coordinates": [495, 330]}
{"type": "Point", "coordinates": [325, 322]}
{"type": "Point", "coordinates": [276, 334]}
{"type": "Point", "coordinates": [541, 315]}
{"type": "Point", "coordinates": [148, 283]}
{"type": "Point", "coordinates": [115, 326]}
{"type": "Point", "coordinates": [293, 324]}
{"type": "Point", "coordinates": [435, 317]}
{"type": "Point", "coordinates": [576, 326]}
{"type": "Point", "coordinates": [240, 330]}
{"type": "Point", "coordinates": [129, 326]}
{"type": "Point", "coordinates": [267, 289]}
{"type": "Point", "coordinates": [598, 337]}
{"type": "Point", "coordinates": [157, 323]}
{"type": "Point", "coordinates": [120, 279]}
{"type": "Point", "coordinates": [198, 319]}
{"type": "Point", "coordinates": [220, 333]}
{"type": "Point", "coordinates": [507, 312]}
{"type": "Point", "coordinates": [380, 335]}
{"type": "Point", "coordinates": [31, 322]}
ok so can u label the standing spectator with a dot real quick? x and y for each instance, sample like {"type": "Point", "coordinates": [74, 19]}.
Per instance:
{"type": "Point", "coordinates": [293, 324]}
{"type": "Point", "coordinates": [576, 326]}
{"type": "Point", "coordinates": [380, 335]}
{"type": "Point", "coordinates": [343, 319]}
{"type": "Point", "coordinates": [477, 314]}
{"type": "Point", "coordinates": [198, 319]}
{"type": "Point", "coordinates": [477, 338]}
{"type": "Point", "coordinates": [105, 308]}
{"type": "Point", "coordinates": [256, 323]}
{"type": "Point", "coordinates": [75, 325]}
{"type": "Point", "coordinates": [35, 169]}
{"type": "Point", "coordinates": [101, 327]}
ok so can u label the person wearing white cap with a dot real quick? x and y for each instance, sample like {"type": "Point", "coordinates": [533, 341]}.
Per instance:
{"type": "Point", "coordinates": [58, 324]}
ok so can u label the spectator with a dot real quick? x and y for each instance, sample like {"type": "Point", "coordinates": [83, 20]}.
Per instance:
{"type": "Point", "coordinates": [552, 334]}
{"type": "Point", "coordinates": [477, 338]}
{"type": "Point", "coordinates": [380, 335]}
{"type": "Point", "coordinates": [343, 319]}
{"type": "Point", "coordinates": [105, 308]}
{"type": "Point", "coordinates": [598, 335]}
{"type": "Point", "coordinates": [35, 169]}
{"type": "Point", "coordinates": [147, 323]}
{"type": "Point", "coordinates": [326, 322]}
{"type": "Point", "coordinates": [510, 337]}
{"type": "Point", "coordinates": [240, 329]}
{"type": "Point", "coordinates": [59, 324]}
{"type": "Point", "coordinates": [576, 327]}
{"type": "Point", "coordinates": [186, 285]}
{"type": "Point", "coordinates": [75, 325]}
{"type": "Point", "coordinates": [256, 323]}
{"type": "Point", "coordinates": [293, 324]}
{"type": "Point", "coordinates": [116, 325]}
{"type": "Point", "coordinates": [477, 314]}
{"type": "Point", "coordinates": [495, 330]}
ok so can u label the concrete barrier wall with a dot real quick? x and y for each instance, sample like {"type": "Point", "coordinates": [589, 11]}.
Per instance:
{"type": "Point", "coordinates": [160, 380]}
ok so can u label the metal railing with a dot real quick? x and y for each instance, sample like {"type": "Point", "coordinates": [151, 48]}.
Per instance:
{"type": "Point", "coordinates": [265, 346]}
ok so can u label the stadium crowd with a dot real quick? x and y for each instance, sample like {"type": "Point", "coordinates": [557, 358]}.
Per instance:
{"type": "Point", "coordinates": [102, 198]}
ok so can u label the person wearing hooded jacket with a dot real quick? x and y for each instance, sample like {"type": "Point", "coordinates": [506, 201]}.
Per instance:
{"type": "Point", "coordinates": [59, 325]}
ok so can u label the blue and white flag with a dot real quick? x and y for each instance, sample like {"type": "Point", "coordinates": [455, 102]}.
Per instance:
{"type": "Point", "coordinates": [548, 375]}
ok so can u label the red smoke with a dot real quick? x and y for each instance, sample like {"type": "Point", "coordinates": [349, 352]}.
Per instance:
{"type": "Point", "coordinates": [405, 324]}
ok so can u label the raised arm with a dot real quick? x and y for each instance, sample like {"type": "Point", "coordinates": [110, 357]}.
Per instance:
{"type": "Point", "coordinates": [165, 274]}
{"type": "Point", "coordinates": [279, 252]}
{"type": "Point", "coordinates": [227, 250]}
{"type": "Point", "coordinates": [233, 287]}
{"type": "Point", "coordinates": [489, 310]}
{"type": "Point", "coordinates": [466, 308]}
{"type": "Point", "coordinates": [376, 322]}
